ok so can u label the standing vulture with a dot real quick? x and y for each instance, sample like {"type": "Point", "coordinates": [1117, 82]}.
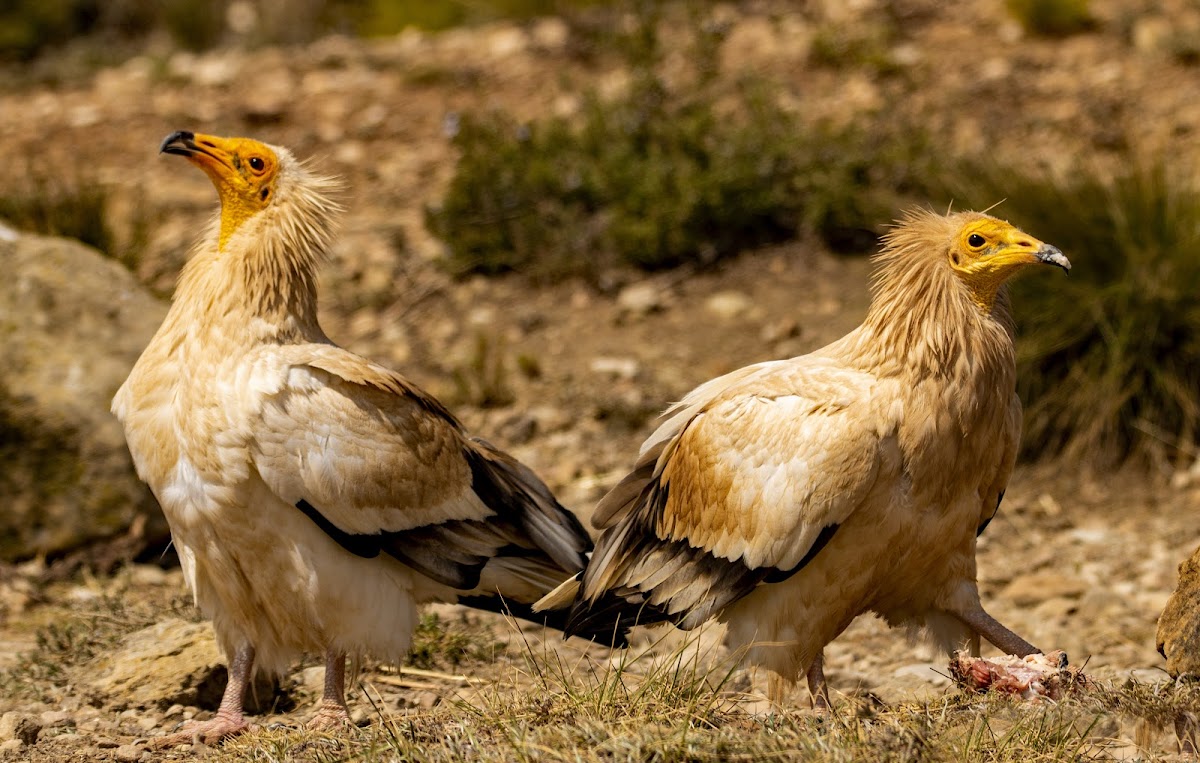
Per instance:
{"type": "Point", "coordinates": [788, 497]}
{"type": "Point", "coordinates": [315, 498]}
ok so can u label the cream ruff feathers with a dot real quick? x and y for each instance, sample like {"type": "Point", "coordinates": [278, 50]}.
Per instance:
{"type": "Point", "coordinates": [789, 497]}
{"type": "Point", "coordinates": [315, 498]}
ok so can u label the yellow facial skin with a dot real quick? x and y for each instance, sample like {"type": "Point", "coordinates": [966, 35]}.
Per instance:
{"type": "Point", "coordinates": [988, 252]}
{"type": "Point", "coordinates": [243, 170]}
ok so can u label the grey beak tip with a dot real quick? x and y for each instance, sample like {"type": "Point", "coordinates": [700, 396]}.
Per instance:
{"type": "Point", "coordinates": [177, 142]}
{"type": "Point", "coordinates": [1052, 255]}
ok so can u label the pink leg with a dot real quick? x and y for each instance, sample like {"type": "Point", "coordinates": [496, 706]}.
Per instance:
{"type": "Point", "coordinates": [1002, 638]}
{"type": "Point", "coordinates": [333, 713]}
{"type": "Point", "coordinates": [816, 683]}
{"type": "Point", "coordinates": [228, 721]}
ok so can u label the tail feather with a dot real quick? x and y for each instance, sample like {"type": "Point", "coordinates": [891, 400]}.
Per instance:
{"type": "Point", "coordinates": [608, 633]}
{"type": "Point", "coordinates": [523, 579]}
{"type": "Point", "coordinates": [610, 613]}
{"type": "Point", "coordinates": [561, 597]}
{"type": "Point", "coordinates": [510, 488]}
{"type": "Point", "coordinates": [637, 579]}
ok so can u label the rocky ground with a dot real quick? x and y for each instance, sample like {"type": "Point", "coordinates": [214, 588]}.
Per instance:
{"type": "Point", "coordinates": [91, 664]}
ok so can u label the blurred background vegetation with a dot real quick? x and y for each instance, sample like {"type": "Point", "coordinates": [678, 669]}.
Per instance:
{"type": "Point", "coordinates": [29, 28]}
{"type": "Point", "coordinates": [697, 169]}
{"type": "Point", "coordinates": [666, 175]}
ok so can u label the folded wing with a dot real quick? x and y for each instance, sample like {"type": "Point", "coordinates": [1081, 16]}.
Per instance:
{"type": "Point", "coordinates": [747, 480]}
{"type": "Point", "coordinates": [383, 468]}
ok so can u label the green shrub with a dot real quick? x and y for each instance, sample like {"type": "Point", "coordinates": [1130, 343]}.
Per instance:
{"type": "Point", "coordinates": [842, 45]}
{"type": "Point", "coordinates": [641, 182]}
{"type": "Point", "coordinates": [1052, 18]}
{"type": "Point", "coordinates": [657, 178]}
{"type": "Point", "coordinates": [482, 378]}
{"type": "Point", "coordinates": [1108, 356]}
{"type": "Point", "coordinates": [385, 17]}
{"type": "Point", "coordinates": [48, 204]}
{"type": "Point", "coordinates": [440, 644]}
{"type": "Point", "coordinates": [28, 26]}
{"type": "Point", "coordinates": [194, 25]}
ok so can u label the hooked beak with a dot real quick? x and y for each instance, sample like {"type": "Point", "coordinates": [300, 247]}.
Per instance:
{"type": "Point", "coordinates": [208, 152]}
{"type": "Point", "coordinates": [180, 143]}
{"type": "Point", "coordinates": [1052, 255]}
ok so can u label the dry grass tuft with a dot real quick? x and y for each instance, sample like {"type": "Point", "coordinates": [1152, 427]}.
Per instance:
{"type": "Point", "coordinates": [621, 715]}
{"type": "Point", "coordinates": [543, 703]}
{"type": "Point", "coordinates": [681, 705]}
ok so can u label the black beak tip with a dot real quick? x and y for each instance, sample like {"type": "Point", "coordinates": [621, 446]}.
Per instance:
{"type": "Point", "coordinates": [179, 142]}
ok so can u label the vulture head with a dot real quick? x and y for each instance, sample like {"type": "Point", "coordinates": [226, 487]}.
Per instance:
{"type": "Point", "coordinates": [985, 252]}
{"type": "Point", "coordinates": [252, 178]}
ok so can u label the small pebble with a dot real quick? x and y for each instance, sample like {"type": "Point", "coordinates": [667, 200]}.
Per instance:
{"type": "Point", "coordinates": [1150, 676]}
{"type": "Point", "coordinates": [728, 305]}
{"type": "Point", "coordinates": [618, 367]}
{"type": "Point", "coordinates": [147, 574]}
{"type": "Point", "coordinates": [56, 719]}
{"type": "Point", "coordinates": [86, 714]}
{"type": "Point", "coordinates": [427, 700]}
{"type": "Point", "coordinates": [640, 298]}
{"type": "Point", "coordinates": [128, 753]}
{"type": "Point", "coordinates": [784, 328]}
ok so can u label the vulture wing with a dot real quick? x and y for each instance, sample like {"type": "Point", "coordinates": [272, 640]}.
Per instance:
{"type": "Point", "coordinates": [382, 467]}
{"type": "Point", "coordinates": [745, 482]}
{"type": "Point", "coordinates": [1008, 443]}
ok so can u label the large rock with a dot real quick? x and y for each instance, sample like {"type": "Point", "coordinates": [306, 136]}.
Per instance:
{"type": "Point", "coordinates": [72, 323]}
{"type": "Point", "coordinates": [1179, 626]}
{"type": "Point", "coordinates": [173, 662]}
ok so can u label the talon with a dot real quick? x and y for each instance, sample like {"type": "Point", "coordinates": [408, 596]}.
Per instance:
{"type": "Point", "coordinates": [207, 732]}
{"type": "Point", "coordinates": [329, 719]}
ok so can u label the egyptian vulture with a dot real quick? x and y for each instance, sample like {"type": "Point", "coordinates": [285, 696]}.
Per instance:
{"type": "Point", "coordinates": [788, 497]}
{"type": "Point", "coordinates": [315, 498]}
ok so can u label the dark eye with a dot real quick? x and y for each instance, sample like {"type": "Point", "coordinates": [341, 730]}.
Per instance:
{"type": "Point", "coordinates": [257, 164]}
{"type": "Point", "coordinates": [975, 240]}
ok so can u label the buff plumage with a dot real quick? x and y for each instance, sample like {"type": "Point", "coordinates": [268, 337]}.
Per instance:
{"type": "Point", "coordinates": [315, 498]}
{"type": "Point", "coordinates": [788, 497]}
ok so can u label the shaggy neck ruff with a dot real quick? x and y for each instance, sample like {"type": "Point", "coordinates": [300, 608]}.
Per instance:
{"type": "Point", "coordinates": [262, 276]}
{"type": "Point", "coordinates": [925, 321]}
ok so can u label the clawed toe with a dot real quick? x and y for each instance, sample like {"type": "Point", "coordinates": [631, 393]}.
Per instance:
{"type": "Point", "coordinates": [206, 732]}
{"type": "Point", "coordinates": [329, 719]}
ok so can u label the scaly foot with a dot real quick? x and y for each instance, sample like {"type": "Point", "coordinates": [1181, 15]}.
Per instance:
{"type": "Point", "coordinates": [331, 716]}
{"type": "Point", "coordinates": [220, 726]}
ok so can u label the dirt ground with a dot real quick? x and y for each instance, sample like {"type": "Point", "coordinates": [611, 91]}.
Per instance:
{"type": "Point", "coordinates": [1077, 560]}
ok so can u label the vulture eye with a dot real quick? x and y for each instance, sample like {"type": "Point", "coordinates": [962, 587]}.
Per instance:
{"type": "Point", "coordinates": [975, 240]}
{"type": "Point", "coordinates": [257, 164]}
